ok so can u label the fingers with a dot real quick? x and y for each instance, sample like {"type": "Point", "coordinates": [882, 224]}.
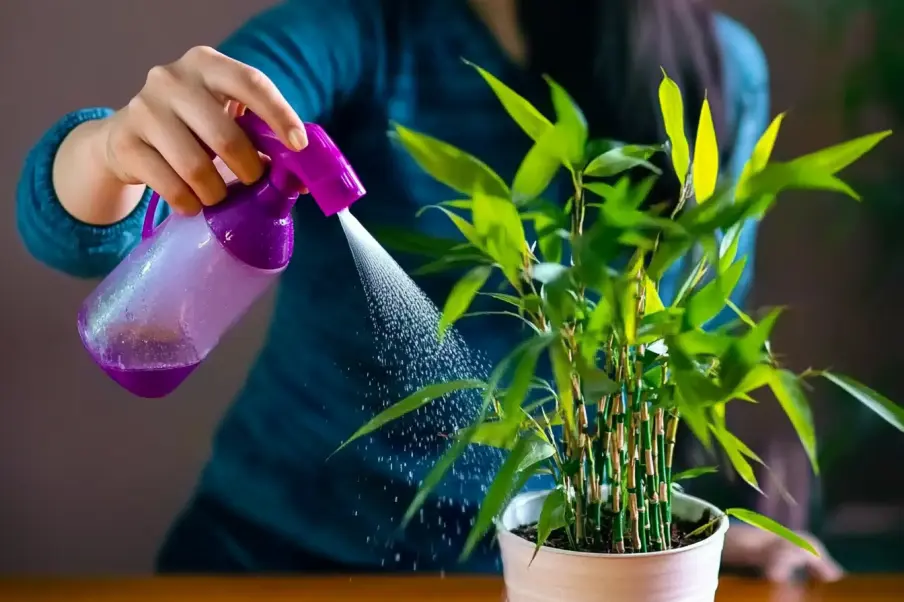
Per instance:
{"type": "Point", "coordinates": [158, 175]}
{"type": "Point", "coordinates": [825, 569]}
{"type": "Point", "coordinates": [211, 122]}
{"type": "Point", "coordinates": [787, 563]}
{"type": "Point", "coordinates": [234, 80]}
{"type": "Point", "coordinates": [175, 142]}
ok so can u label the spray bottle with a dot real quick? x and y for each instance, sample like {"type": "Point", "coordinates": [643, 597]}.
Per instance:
{"type": "Point", "coordinates": [161, 311]}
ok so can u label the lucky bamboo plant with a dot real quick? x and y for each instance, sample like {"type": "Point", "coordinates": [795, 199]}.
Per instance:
{"type": "Point", "coordinates": [626, 364]}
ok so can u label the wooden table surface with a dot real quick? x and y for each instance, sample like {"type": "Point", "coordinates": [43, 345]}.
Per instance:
{"type": "Point", "coordinates": [379, 589]}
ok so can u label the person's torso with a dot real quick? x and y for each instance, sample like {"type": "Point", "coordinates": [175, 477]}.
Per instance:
{"type": "Point", "coordinates": [339, 351]}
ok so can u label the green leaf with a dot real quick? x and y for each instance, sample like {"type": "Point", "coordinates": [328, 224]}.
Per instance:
{"type": "Point", "coordinates": [552, 517]}
{"type": "Point", "coordinates": [536, 171]}
{"type": "Point", "coordinates": [538, 450]}
{"type": "Point", "coordinates": [602, 190]}
{"type": "Point", "coordinates": [411, 403]}
{"type": "Point", "coordinates": [571, 125]}
{"type": "Point", "coordinates": [499, 225]}
{"type": "Point", "coordinates": [778, 177]}
{"type": "Point", "coordinates": [548, 272]}
{"type": "Point", "coordinates": [706, 303]}
{"type": "Point", "coordinates": [521, 111]}
{"type": "Point", "coordinates": [461, 296]}
{"type": "Point", "coordinates": [728, 247]}
{"type": "Point", "coordinates": [760, 156]}
{"type": "Point", "coordinates": [653, 304]}
{"type": "Point", "coordinates": [767, 524]}
{"type": "Point", "coordinates": [619, 160]}
{"type": "Point", "coordinates": [501, 490]}
{"type": "Point", "coordinates": [706, 156]}
{"type": "Point", "coordinates": [693, 473]}
{"type": "Point", "coordinates": [524, 373]}
{"type": "Point", "coordinates": [549, 235]}
{"type": "Point", "coordinates": [500, 434]}
{"type": "Point", "coordinates": [672, 107]}
{"type": "Point", "coordinates": [878, 403]}
{"type": "Point", "coordinates": [786, 387]}
{"type": "Point", "coordinates": [730, 444]}
{"type": "Point", "coordinates": [450, 165]}
{"type": "Point", "coordinates": [464, 226]}
{"type": "Point", "coordinates": [561, 369]}
{"type": "Point", "coordinates": [835, 158]}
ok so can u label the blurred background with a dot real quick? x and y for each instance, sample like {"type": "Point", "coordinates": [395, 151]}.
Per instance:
{"type": "Point", "coordinates": [90, 478]}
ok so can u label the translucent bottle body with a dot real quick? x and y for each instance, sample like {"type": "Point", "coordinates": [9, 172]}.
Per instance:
{"type": "Point", "coordinates": [164, 308]}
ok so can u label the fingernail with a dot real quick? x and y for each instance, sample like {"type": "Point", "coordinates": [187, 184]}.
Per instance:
{"type": "Point", "coordinates": [297, 139]}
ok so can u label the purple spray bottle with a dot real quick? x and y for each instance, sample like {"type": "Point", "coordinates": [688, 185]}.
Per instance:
{"type": "Point", "coordinates": [164, 308]}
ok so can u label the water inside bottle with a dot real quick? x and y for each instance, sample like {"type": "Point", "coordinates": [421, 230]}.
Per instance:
{"type": "Point", "coordinates": [148, 362]}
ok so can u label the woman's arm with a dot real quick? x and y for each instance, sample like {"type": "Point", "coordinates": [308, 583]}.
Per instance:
{"type": "Point", "coordinates": [313, 50]}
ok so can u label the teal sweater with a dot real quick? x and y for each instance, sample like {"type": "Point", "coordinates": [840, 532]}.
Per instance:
{"type": "Point", "coordinates": [352, 66]}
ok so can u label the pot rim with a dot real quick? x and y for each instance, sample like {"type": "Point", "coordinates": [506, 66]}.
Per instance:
{"type": "Point", "coordinates": [502, 531]}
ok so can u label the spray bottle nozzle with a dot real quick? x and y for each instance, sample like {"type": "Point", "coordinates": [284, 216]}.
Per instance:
{"type": "Point", "coordinates": [320, 166]}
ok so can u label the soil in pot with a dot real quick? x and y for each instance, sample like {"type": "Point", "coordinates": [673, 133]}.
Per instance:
{"type": "Point", "coordinates": [684, 533]}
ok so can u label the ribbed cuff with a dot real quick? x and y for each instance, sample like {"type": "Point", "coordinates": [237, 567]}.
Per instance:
{"type": "Point", "coordinates": [49, 232]}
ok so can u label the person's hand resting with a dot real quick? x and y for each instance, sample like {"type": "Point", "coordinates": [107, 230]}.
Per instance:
{"type": "Point", "coordinates": [777, 560]}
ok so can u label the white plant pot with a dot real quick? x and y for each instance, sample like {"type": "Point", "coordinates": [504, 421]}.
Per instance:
{"type": "Point", "coordinates": [689, 574]}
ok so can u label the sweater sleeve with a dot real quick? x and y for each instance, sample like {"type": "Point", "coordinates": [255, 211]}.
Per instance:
{"type": "Point", "coordinates": [313, 50]}
{"type": "Point", "coordinates": [747, 90]}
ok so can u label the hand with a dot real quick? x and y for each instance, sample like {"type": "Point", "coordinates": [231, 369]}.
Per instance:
{"type": "Point", "coordinates": [778, 560]}
{"type": "Point", "coordinates": [156, 139]}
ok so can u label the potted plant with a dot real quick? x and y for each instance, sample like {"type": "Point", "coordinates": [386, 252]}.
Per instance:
{"type": "Point", "coordinates": [626, 364]}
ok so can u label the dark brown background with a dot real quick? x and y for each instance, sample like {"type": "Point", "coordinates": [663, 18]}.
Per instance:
{"type": "Point", "coordinates": [90, 477]}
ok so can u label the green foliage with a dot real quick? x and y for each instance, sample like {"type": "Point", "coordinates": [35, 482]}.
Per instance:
{"type": "Point", "coordinates": [613, 342]}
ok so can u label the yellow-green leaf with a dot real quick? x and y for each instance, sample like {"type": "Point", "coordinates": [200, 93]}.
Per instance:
{"type": "Point", "coordinates": [414, 401]}
{"type": "Point", "coordinates": [450, 165]}
{"type": "Point", "coordinates": [706, 303]}
{"type": "Point", "coordinates": [706, 156]}
{"type": "Point", "coordinates": [620, 159]}
{"type": "Point", "coordinates": [499, 226]}
{"type": "Point", "coordinates": [835, 158]}
{"type": "Point", "coordinates": [497, 433]}
{"type": "Point", "coordinates": [761, 154]}
{"type": "Point", "coordinates": [571, 124]}
{"type": "Point", "coordinates": [461, 296]}
{"type": "Point", "coordinates": [521, 111]}
{"type": "Point", "coordinates": [693, 473]}
{"type": "Point", "coordinates": [765, 523]}
{"type": "Point", "coordinates": [464, 226]}
{"type": "Point", "coordinates": [672, 107]}
{"type": "Point", "coordinates": [883, 407]}
{"type": "Point", "coordinates": [561, 368]}
{"type": "Point", "coordinates": [735, 455]}
{"type": "Point", "coordinates": [653, 303]}
{"type": "Point", "coordinates": [790, 395]}
{"type": "Point", "coordinates": [777, 177]}
{"type": "Point", "coordinates": [537, 170]}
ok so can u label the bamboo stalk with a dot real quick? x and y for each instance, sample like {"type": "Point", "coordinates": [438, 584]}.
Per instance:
{"type": "Point", "coordinates": [652, 484]}
{"type": "Point", "coordinates": [643, 507]}
{"type": "Point", "coordinates": [604, 435]}
{"type": "Point", "coordinates": [633, 505]}
{"type": "Point", "coordinates": [671, 434]}
{"type": "Point", "coordinates": [665, 509]}
{"type": "Point", "coordinates": [619, 455]}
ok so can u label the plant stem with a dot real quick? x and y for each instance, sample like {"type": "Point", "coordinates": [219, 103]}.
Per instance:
{"type": "Point", "coordinates": [619, 454]}
{"type": "Point", "coordinates": [633, 505]}
{"type": "Point", "coordinates": [665, 511]}
{"type": "Point", "coordinates": [671, 434]}
{"type": "Point", "coordinates": [652, 484]}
